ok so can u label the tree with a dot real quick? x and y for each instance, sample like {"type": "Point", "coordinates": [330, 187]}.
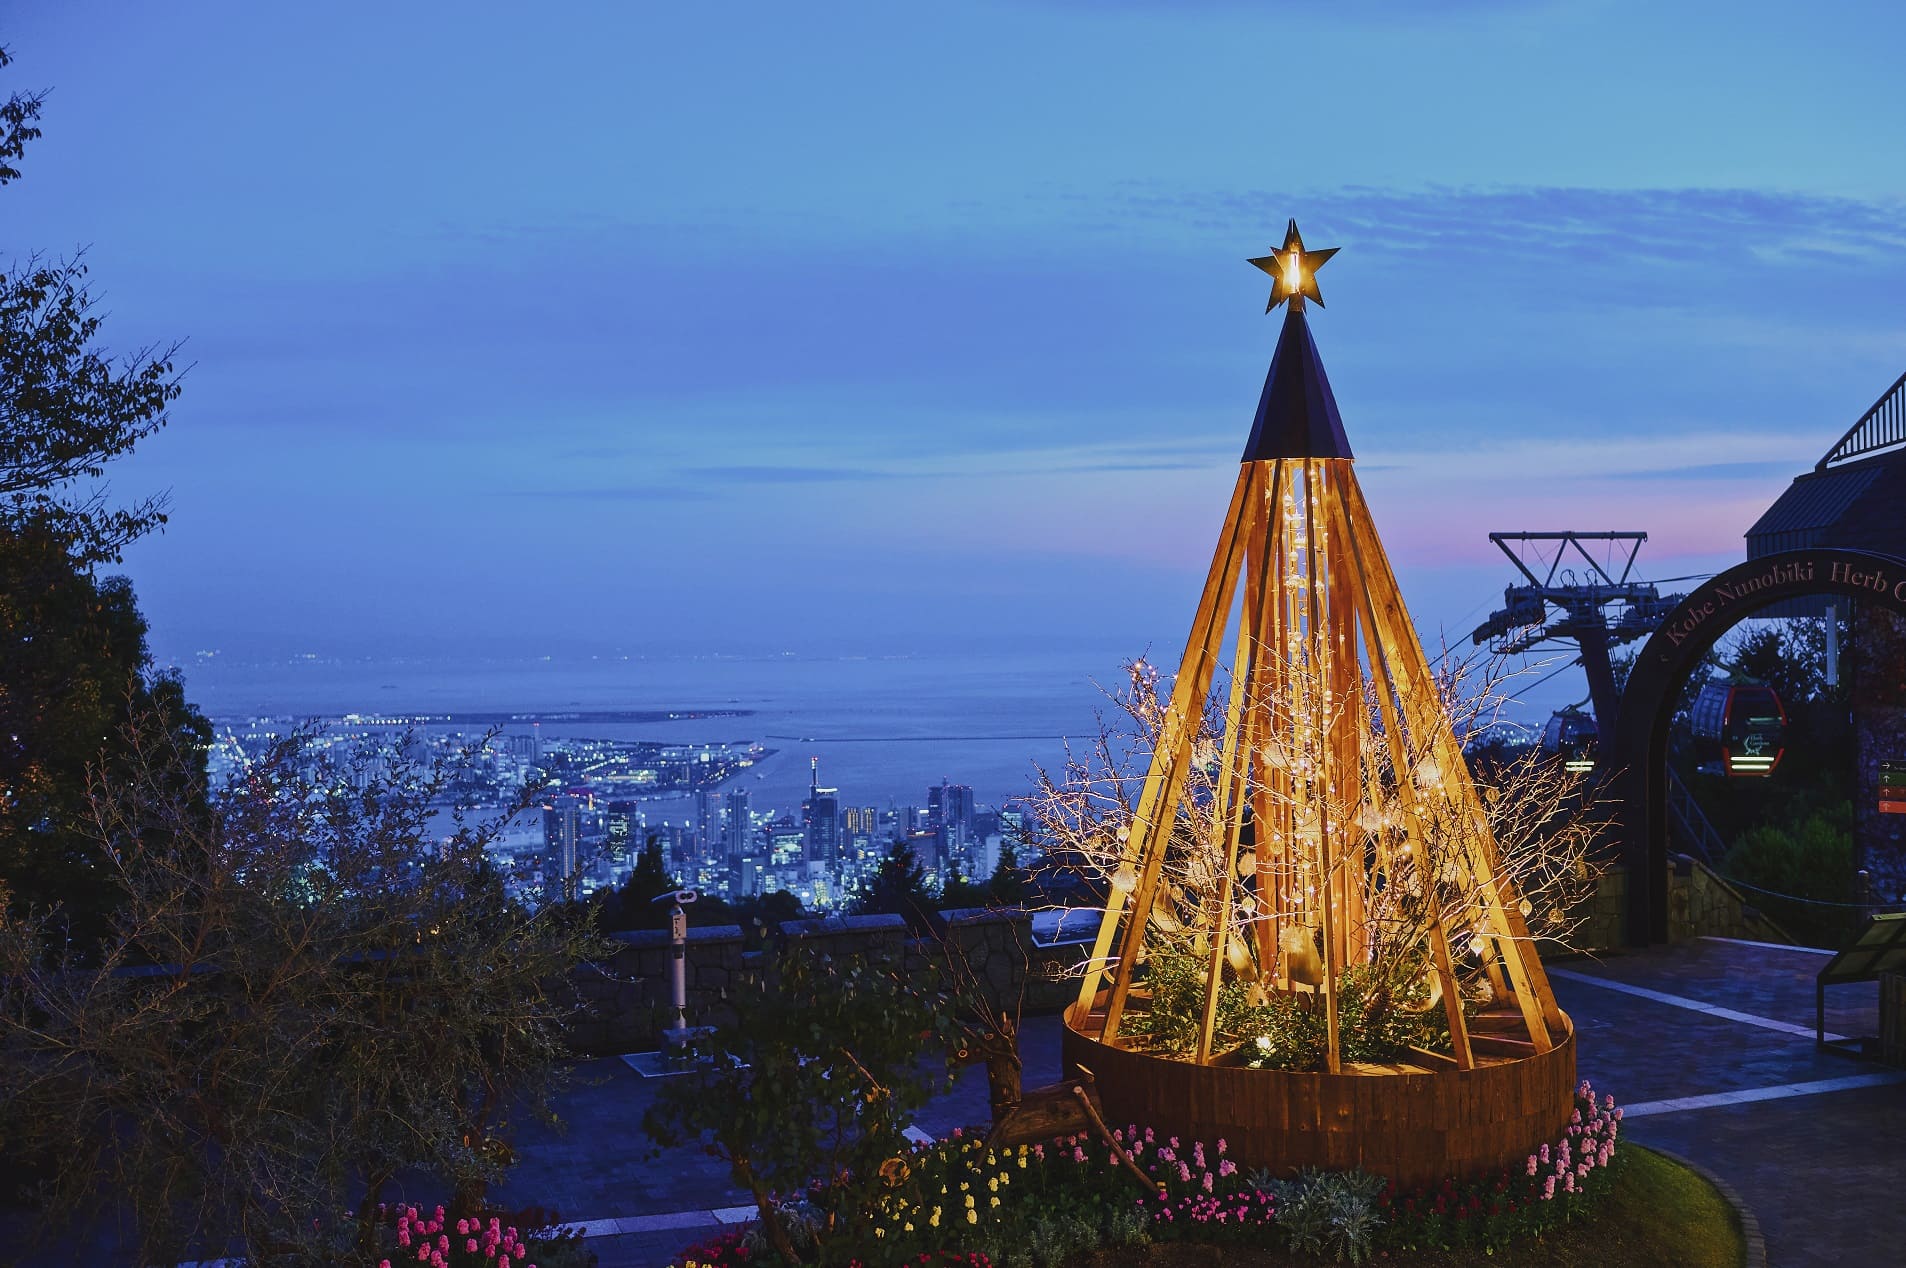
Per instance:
{"type": "Point", "coordinates": [898, 887]}
{"type": "Point", "coordinates": [1008, 883]}
{"type": "Point", "coordinates": [74, 668]}
{"type": "Point", "coordinates": [814, 1081]}
{"type": "Point", "coordinates": [303, 994]}
{"type": "Point", "coordinates": [66, 406]}
{"type": "Point", "coordinates": [74, 674]}
{"type": "Point", "coordinates": [633, 905]}
{"type": "Point", "coordinates": [956, 891]}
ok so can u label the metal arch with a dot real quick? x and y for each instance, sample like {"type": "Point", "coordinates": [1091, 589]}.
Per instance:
{"type": "Point", "coordinates": [1685, 635]}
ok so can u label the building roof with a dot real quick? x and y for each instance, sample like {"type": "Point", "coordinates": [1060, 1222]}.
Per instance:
{"type": "Point", "coordinates": [1859, 506]}
{"type": "Point", "coordinates": [1297, 414]}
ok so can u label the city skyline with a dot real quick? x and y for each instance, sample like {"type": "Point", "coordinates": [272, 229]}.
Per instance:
{"type": "Point", "coordinates": [782, 333]}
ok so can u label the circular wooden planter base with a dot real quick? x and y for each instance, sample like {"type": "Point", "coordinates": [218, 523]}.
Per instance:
{"type": "Point", "coordinates": [1414, 1126]}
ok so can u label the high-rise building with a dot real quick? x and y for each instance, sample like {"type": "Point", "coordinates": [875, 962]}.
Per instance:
{"type": "Point", "coordinates": [860, 828]}
{"type": "Point", "coordinates": [562, 830]}
{"type": "Point", "coordinates": [820, 819]}
{"type": "Point", "coordinates": [619, 821]}
{"type": "Point", "coordinates": [957, 813]}
{"type": "Point", "coordinates": [707, 821]}
{"type": "Point", "coordinates": [739, 830]}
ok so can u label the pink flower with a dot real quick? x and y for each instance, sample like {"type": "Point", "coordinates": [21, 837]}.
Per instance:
{"type": "Point", "coordinates": [1227, 1167]}
{"type": "Point", "coordinates": [1531, 1164]}
{"type": "Point", "coordinates": [1207, 1182]}
{"type": "Point", "coordinates": [403, 1237]}
{"type": "Point", "coordinates": [1548, 1189]}
{"type": "Point", "coordinates": [463, 1226]}
{"type": "Point", "coordinates": [470, 1245]}
{"type": "Point", "coordinates": [1221, 1145]}
{"type": "Point", "coordinates": [1545, 1155]}
{"type": "Point", "coordinates": [1608, 1102]}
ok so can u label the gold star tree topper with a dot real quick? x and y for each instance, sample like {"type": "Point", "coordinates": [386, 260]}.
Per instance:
{"type": "Point", "coordinates": [1293, 271]}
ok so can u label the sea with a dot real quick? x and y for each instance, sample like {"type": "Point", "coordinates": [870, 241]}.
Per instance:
{"type": "Point", "coordinates": [884, 728]}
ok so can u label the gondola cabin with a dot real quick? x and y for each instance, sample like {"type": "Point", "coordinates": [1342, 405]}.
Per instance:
{"type": "Point", "coordinates": [1740, 730]}
{"type": "Point", "coordinates": [1571, 735]}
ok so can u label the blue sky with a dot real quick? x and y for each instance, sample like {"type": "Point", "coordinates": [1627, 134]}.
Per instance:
{"type": "Point", "coordinates": [533, 329]}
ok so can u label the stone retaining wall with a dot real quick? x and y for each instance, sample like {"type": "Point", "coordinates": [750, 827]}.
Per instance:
{"type": "Point", "coordinates": [1700, 904]}
{"type": "Point", "coordinates": [625, 1001]}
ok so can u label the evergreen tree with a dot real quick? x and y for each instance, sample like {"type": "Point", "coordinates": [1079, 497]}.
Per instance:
{"type": "Point", "coordinates": [898, 887]}
{"type": "Point", "coordinates": [633, 906]}
{"type": "Point", "coordinates": [1008, 883]}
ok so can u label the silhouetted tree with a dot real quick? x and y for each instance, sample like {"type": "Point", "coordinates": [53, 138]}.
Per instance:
{"type": "Point", "coordinates": [898, 887]}
{"type": "Point", "coordinates": [66, 406]}
{"type": "Point", "coordinates": [332, 996]}
{"type": "Point", "coordinates": [75, 674]}
{"type": "Point", "coordinates": [1008, 883]}
{"type": "Point", "coordinates": [633, 905]}
{"type": "Point", "coordinates": [956, 891]}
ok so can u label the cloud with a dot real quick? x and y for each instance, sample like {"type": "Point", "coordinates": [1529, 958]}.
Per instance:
{"type": "Point", "coordinates": [783, 475]}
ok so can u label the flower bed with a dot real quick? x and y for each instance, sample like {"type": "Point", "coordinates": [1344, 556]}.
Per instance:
{"type": "Point", "coordinates": [434, 1239]}
{"type": "Point", "coordinates": [956, 1201]}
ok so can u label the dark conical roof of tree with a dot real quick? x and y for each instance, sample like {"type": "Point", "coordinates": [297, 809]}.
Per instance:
{"type": "Point", "coordinates": [1297, 414]}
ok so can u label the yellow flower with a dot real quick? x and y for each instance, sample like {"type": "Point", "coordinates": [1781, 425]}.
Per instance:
{"type": "Point", "coordinates": [909, 1226]}
{"type": "Point", "coordinates": [935, 1221]}
{"type": "Point", "coordinates": [969, 1201]}
{"type": "Point", "coordinates": [880, 1232]}
{"type": "Point", "coordinates": [972, 1217]}
{"type": "Point", "coordinates": [1022, 1160]}
{"type": "Point", "coordinates": [993, 1185]}
{"type": "Point", "coordinates": [995, 1201]}
{"type": "Point", "coordinates": [964, 1186]}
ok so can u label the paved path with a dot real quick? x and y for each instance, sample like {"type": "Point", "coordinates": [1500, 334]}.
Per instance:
{"type": "Point", "coordinates": [1710, 1045]}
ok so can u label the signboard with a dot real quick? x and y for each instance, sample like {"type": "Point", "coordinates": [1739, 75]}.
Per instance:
{"type": "Point", "coordinates": [1893, 788]}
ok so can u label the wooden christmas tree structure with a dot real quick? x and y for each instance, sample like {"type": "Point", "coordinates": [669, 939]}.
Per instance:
{"type": "Point", "coordinates": [1330, 822]}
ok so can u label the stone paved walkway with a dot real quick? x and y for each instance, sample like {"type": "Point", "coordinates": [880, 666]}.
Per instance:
{"type": "Point", "coordinates": [1822, 1169]}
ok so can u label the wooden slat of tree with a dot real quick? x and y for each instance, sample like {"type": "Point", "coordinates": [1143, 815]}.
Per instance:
{"type": "Point", "coordinates": [1516, 931]}
{"type": "Point", "coordinates": [1212, 606]}
{"type": "Point", "coordinates": [1226, 816]}
{"type": "Point", "coordinates": [1385, 683]}
{"type": "Point", "coordinates": [1345, 686]}
{"type": "Point", "coordinates": [1269, 802]}
{"type": "Point", "coordinates": [1333, 964]}
{"type": "Point", "coordinates": [1530, 984]}
{"type": "Point", "coordinates": [1153, 832]}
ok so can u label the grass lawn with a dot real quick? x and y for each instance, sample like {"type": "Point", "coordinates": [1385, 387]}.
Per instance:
{"type": "Point", "coordinates": [1658, 1215]}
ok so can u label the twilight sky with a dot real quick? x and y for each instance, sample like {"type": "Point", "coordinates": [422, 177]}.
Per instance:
{"type": "Point", "coordinates": [543, 329]}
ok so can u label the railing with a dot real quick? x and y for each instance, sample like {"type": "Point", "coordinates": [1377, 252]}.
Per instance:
{"type": "Point", "coordinates": [1686, 815]}
{"type": "Point", "coordinates": [1881, 427]}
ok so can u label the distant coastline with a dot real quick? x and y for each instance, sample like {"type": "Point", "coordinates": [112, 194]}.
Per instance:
{"type": "Point", "coordinates": [493, 718]}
